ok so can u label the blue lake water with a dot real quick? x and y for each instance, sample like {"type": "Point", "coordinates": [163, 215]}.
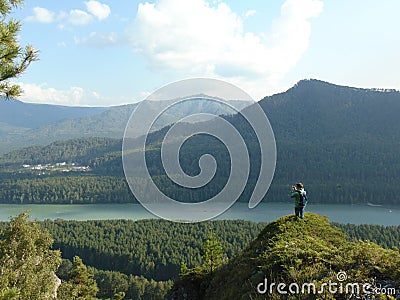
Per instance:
{"type": "Point", "coordinates": [265, 212]}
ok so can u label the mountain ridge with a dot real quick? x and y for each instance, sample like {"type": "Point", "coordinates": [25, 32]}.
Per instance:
{"type": "Point", "coordinates": [30, 115]}
{"type": "Point", "coordinates": [25, 124]}
{"type": "Point", "coordinates": [342, 143]}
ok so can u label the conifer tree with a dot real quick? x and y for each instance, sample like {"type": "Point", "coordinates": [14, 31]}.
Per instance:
{"type": "Point", "coordinates": [81, 285]}
{"type": "Point", "coordinates": [14, 59]}
{"type": "Point", "coordinates": [27, 263]}
{"type": "Point", "coordinates": [213, 255]}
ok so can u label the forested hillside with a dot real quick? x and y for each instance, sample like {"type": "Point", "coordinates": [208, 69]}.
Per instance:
{"type": "Point", "coordinates": [296, 259]}
{"type": "Point", "coordinates": [139, 253]}
{"type": "Point", "coordinates": [341, 142]}
{"type": "Point", "coordinates": [145, 247]}
{"type": "Point", "coordinates": [141, 258]}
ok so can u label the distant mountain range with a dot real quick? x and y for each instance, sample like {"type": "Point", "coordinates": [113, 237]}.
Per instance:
{"type": "Point", "coordinates": [342, 142]}
{"type": "Point", "coordinates": [29, 115]}
{"type": "Point", "coordinates": [25, 124]}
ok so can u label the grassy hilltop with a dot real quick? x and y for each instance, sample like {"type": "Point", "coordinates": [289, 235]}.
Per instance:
{"type": "Point", "coordinates": [294, 251]}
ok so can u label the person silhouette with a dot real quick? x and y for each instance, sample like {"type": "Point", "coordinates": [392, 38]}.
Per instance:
{"type": "Point", "coordinates": [300, 199]}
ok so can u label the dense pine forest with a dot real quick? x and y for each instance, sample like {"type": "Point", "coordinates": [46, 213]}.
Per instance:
{"type": "Point", "coordinates": [331, 180]}
{"type": "Point", "coordinates": [145, 247]}
{"type": "Point", "coordinates": [141, 259]}
{"type": "Point", "coordinates": [341, 142]}
{"type": "Point", "coordinates": [296, 259]}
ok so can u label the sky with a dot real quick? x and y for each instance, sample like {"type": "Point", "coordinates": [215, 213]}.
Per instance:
{"type": "Point", "coordinates": [104, 53]}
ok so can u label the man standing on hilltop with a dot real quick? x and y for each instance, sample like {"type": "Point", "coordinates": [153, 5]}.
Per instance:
{"type": "Point", "coordinates": [300, 200]}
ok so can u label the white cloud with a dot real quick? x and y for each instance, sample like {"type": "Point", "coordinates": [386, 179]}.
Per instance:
{"type": "Point", "coordinates": [100, 40]}
{"type": "Point", "coordinates": [62, 44]}
{"type": "Point", "coordinates": [79, 17]}
{"type": "Point", "coordinates": [197, 38]}
{"type": "Point", "coordinates": [41, 15]}
{"type": "Point", "coordinates": [75, 16]}
{"type": "Point", "coordinates": [74, 96]}
{"type": "Point", "coordinates": [250, 13]}
{"type": "Point", "coordinates": [99, 10]}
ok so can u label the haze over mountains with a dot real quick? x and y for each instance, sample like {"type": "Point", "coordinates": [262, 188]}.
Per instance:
{"type": "Point", "coordinates": [342, 142]}
{"type": "Point", "coordinates": [25, 124]}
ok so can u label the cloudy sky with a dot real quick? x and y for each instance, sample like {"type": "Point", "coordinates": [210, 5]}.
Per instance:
{"type": "Point", "coordinates": [102, 53]}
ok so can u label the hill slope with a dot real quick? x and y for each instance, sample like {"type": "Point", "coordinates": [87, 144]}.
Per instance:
{"type": "Point", "coordinates": [294, 251]}
{"type": "Point", "coordinates": [342, 142]}
{"type": "Point", "coordinates": [318, 109]}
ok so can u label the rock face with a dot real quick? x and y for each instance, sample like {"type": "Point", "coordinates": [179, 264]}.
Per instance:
{"type": "Point", "coordinates": [295, 253]}
{"type": "Point", "coordinates": [57, 285]}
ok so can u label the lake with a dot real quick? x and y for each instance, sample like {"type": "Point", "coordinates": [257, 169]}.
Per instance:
{"type": "Point", "coordinates": [265, 212]}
